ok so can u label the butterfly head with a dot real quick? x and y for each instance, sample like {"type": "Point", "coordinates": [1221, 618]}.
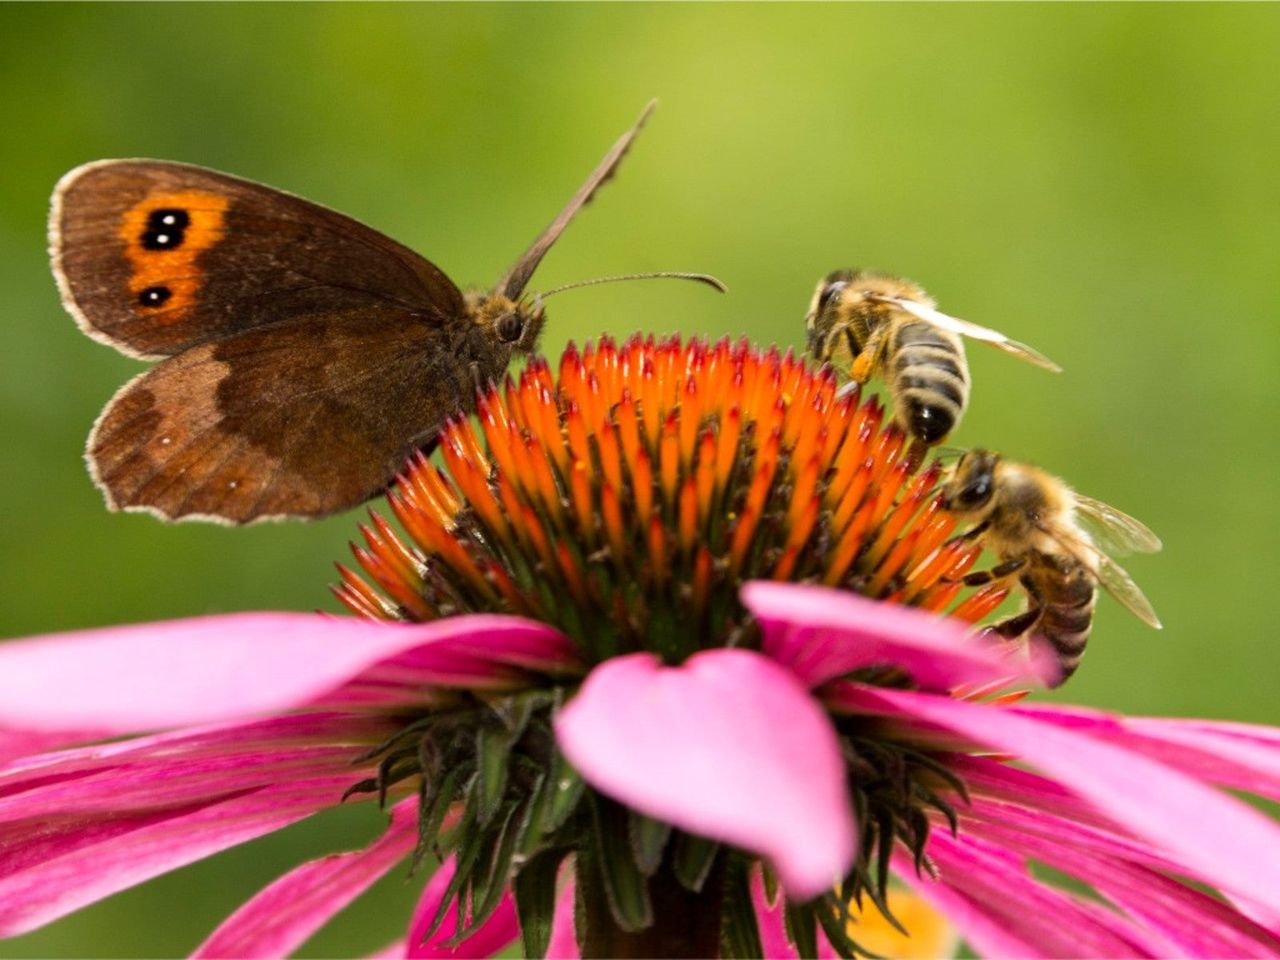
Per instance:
{"type": "Point", "coordinates": [514, 325]}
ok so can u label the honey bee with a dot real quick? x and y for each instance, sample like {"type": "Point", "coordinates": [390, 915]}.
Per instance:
{"type": "Point", "coordinates": [1054, 540]}
{"type": "Point", "coordinates": [871, 323]}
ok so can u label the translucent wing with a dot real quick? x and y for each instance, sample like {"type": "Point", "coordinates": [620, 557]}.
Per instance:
{"type": "Point", "coordinates": [1121, 586]}
{"type": "Point", "coordinates": [1113, 530]}
{"type": "Point", "coordinates": [973, 332]}
{"type": "Point", "coordinates": [1110, 574]}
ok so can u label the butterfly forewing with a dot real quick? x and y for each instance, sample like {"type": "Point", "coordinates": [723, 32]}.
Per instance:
{"type": "Point", "coordinates": [154, 257]}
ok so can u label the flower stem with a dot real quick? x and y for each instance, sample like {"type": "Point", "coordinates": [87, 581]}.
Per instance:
{"type": "Point", "coordinates": [685, 923]}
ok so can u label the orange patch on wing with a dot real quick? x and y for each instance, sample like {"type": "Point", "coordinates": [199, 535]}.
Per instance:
{"type": "Point", "coordinates": [173, 269]}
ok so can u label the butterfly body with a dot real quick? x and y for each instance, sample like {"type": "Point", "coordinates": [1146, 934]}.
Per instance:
{"type": "Point", "coordinates": [303, 356]}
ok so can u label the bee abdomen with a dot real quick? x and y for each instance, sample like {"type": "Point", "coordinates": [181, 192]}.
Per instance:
{"type": "Point", "coordinates": [930, 380]}
{"type": "Point", "coordinates": [1067, 620]}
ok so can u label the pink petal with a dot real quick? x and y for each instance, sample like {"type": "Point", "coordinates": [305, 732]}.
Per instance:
{"type": "Point", "coordinates": [1003, 911]}
{"type": "Point", "coordinates": [563, 944]}
{"type": "Point", "coordinates": [984, 928]}
{"type": "Point", "coordinates": [728, 746]}
{"type": "Point", "coordinates": [209, 669]}
{"type": "Point", "coordinates": [496, 933]}
{"type": "Point", "coordinates": [184, 767]}
{"type": "Point", "coordinates": [1098, 841]}
{"type": "Point", "coordinates": [821, 634]}
{"type": "Point", "coordinates": [1185, 921]}
{"type": "Point", "coordinates": [49, 869]}
{"type": "Point", "coordinates": [22, 743]}
{"type": "Point", "coordinates": [1233, 755]}
{"type": "Point", "coordinates": [1216, 838]}
{"type": "Point", "coordinates": [176, 781]}
{"type": "Point", "coordinates": [283, 915]}
{"type": "Point", "coordinates": [770, 920]}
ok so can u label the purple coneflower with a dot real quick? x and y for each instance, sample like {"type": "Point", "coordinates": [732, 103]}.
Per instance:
{"type": "Point", "coordinates": [586, 703]}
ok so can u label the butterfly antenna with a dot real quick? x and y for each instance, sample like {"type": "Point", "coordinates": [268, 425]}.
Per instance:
{"type": "Point", "coordinates": [659, 275]}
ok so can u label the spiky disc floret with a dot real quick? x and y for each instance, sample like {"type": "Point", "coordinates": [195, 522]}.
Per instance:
{"type": "Point", "coordinates": [625, 501]}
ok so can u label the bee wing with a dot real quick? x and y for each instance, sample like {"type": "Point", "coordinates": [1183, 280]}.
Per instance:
{"type": "Point", "coordinates": [1114, 530]}
{"type": "Point", "coordinates": [1121, 586]}
{"type": "Point", "coordinates": [974, 332]}
{"type": "Point", "coordinates": [1110, 574]}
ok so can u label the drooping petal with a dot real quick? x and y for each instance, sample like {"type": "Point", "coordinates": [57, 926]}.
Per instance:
{"type": "Point", "coordinates": [284, 914]}
{"type": "Point", "coordinates": [729, 746]}
{"type": "Point", "coordinates": [770, 920]}
{"type": "Point", "coordinates": [1037, 805]}
{"type": "Point", "coordinates": [211, 669]}
{"type": "Point", "coordinates": [22, 743]}
{"type": "Point", "coordinates": [187, 766]}
{"type": "Point", "coordinates": [1237, 755]}
{"type": "Point", "coordinates": [1003, 911]}
{"type": "Point", "coordinates": [496, 933]}
{"type": "Point", "coordinates": [1181, 920]}
{"type": "Point", "coordinates": [1101, 841]}
{"type": "Point", "coordinates": [1215, 838]}
{"type": "Point", "coordinates": [563, 944]}
{"type": "Point", "coordinates": [984, 929]}
{"type": "Point", "coordinates": [51, 867]}
{"type": "Point", "coordinates": [820, 634]}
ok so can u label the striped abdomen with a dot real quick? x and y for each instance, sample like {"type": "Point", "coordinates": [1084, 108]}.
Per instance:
{"type": "Point", "coordinates": [929, 378]}
{"type": "Point", "coordinates": [1066, 592]}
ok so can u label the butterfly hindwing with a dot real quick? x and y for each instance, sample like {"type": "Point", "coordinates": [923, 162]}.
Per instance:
{"type": "Point", "coordinates": [286, 420]}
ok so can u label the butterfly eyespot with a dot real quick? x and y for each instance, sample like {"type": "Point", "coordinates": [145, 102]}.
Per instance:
{"type": "Point", "coordinates": [510, 327]}
{"type": "Point", "coordinates": [154, 296]}
{"type": "Point", "coordinates": [165, 228]}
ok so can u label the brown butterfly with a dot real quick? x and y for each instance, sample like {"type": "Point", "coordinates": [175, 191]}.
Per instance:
{"type": "Point", "coordinates": [303, 355]}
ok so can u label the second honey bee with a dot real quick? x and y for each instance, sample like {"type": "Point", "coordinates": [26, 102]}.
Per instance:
{"type": "Point", "coordinates": [1055, 541]}
{"type": "Point", "coordinates": [870, 323]}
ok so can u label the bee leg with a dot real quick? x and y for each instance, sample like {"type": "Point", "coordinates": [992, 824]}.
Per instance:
{"type": "Point", "coordinates": [476, 379]}
{"type": "Point", "coordinates": [977, 531]}
{"type": "Point", "coordinates": [865, 360]}
{"type": "Point", "coordinates": [998, 572]}
{"type": "Point", "coordinates": [916, 454]}
{"type": "Point", "coordinates": [1016, 626]}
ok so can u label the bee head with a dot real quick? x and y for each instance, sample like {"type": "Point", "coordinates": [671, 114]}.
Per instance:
{"type": "Point", "coordinates": [820, 318]}
{"type": "Point", "coordinates": [973, 484]}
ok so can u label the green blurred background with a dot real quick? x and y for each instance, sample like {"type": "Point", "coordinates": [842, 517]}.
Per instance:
{"type": "Point", "coordinates": [1101, 181]}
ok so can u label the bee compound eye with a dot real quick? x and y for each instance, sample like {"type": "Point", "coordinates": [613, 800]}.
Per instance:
{"type": "Point", "coordinates": [977, 492]}
{"type": "Point", "coordinates": [830, 292]}
{"type": "Point", "coordinates": [509, 327]}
